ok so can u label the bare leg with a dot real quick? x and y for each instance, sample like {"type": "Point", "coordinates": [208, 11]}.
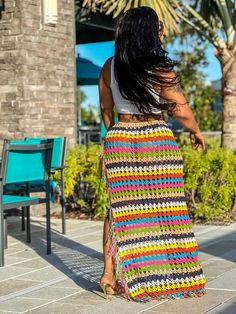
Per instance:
{"type": "Point", "coordinates": [108, 264]}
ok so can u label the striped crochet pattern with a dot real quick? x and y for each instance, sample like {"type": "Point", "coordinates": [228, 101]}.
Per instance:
{"type": "Point", "coordinates": [153, 246]}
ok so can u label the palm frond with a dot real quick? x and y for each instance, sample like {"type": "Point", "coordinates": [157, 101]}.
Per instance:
{"type": "Point", "coordinates": [220, 15]}
{"type": "Point", "coordinates": [227, 21]}
{"type": "Point", "coordinates": [231, 4]}
{"type": "Point", "coordinates": [196, 21]}
{"type": "Point", "coordinates": [210, 18]}
{"type": "Point", "coordinates": [210, 12]}
{"type": "Point", "coordinates": [166, 9]}
{"type": "Point", "coordinates": [215, 40]}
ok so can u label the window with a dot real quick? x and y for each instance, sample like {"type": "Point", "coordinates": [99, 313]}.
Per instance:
{"type": "Point", "coordinates": [49, 12]}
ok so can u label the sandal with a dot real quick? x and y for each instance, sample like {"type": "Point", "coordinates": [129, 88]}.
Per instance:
{"type": "Point", "coordinates": [107, 288]}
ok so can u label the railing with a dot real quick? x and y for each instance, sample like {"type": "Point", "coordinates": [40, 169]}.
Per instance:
{"type": "Point", "coordinates": [207, 134]}
{"type": "Point", "coordinates": [88, 134]}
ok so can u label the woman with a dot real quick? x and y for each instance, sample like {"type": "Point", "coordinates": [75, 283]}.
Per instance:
{"type": "Point", "coordinates": [150, 250]}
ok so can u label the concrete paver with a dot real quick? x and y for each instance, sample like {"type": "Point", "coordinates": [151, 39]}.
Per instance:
{"type": "Point", "coordinates": [67, 280]}
{"type": "Point", "coordinates": [20, 305]}
{"type": "Point", "coordinates": [10, 286]}
{"type": "Point", "coordinates": [51, 293]}
{"type": "Point", "coordinates": [44, 274]}
{"type": "Point", "coordinates": [225, 281]}
{"type": "Point", "coordinates": [194, 305]}
{"type": "Point", "coordinates": [12, 272]}
{"type": "Point", "coordinates": [217, 267]}
{"type": "Point", "coordinates": [228, 307]}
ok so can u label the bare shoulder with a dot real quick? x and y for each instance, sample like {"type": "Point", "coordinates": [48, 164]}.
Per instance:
{"type": "Point", "coordinates": [106, 71]}
{"type": "Point", "coordinates": [107, 63]}
{"type": "Point", "coordinates": [106, 68]}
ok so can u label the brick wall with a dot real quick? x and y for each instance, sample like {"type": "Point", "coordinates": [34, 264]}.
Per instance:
{"type": "Point", "coordinates": [37, 72]}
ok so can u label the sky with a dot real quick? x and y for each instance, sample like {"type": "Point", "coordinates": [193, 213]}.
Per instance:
{"type": "Point", "coordinates": [98, 53]}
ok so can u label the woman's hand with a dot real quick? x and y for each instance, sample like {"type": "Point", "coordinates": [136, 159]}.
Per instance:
{"type": "Point", "coordinates": [197, 140]}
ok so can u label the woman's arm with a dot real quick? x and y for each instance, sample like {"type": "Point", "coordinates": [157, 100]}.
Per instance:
{"type": "Point", "coordinates": [105, 96]}
{"type": "Point", "coordinates": [183, 113]}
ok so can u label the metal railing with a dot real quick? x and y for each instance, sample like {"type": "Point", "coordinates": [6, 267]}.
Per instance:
{"type": "Point", "coordinates": [88, 134]}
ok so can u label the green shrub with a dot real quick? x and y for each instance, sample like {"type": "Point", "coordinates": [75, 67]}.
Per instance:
{"type": "Point", "coordinates": [210, 181]}
{"type": "Point", "coordinates": [94, 180]}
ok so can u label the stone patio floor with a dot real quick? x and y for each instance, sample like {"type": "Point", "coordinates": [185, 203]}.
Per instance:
{"type": "Point", "coordinates": [67, 280]}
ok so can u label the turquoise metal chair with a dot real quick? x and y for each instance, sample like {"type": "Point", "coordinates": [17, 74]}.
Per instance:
{"type": "Point", "coordinates": [57, 164]}
{"type": "Point", "coordinates": [24, 162]}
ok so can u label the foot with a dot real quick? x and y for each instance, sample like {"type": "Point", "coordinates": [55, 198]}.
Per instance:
{"type": "Point", "coordinates": [108, 277]}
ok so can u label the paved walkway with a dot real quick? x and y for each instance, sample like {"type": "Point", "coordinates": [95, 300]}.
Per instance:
{"type": "Point", "coordinates": [67, 281]}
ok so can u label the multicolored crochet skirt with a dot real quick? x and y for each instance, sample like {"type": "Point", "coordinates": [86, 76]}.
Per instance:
{"type": "Point", "coordinates": [152, 243]}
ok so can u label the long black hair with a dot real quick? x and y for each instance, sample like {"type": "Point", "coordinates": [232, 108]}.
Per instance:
{"type": "Point", "coordinates": [140, 60]}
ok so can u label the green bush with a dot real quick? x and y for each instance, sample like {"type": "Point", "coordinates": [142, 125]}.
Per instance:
{"type": "Point", "coordinates": [85, 191]}
{"type": "Point", "coordinates": [210, 181]}
{"type": "Point", "coordinates": [94, 180]}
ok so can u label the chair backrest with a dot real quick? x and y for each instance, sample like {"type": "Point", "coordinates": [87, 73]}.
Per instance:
{"type": "Point", "coordinates": [25, 162]}
{"type": "Point", "coordinates": [58, 152]}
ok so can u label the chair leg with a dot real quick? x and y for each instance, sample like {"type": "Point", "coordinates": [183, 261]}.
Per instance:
{"type": "Point", "coordinates": [28, 231]}
{"type": "Point", "coordinates": [1, 239]}
{"type": "Point", "coordinates": [23, 218]}
{"type": "Point", "coordinates": [48, 219]}
{"type": "Point", "coordinates": [5, 229]}
{"type": "Point", "coordinates": [63, 208]}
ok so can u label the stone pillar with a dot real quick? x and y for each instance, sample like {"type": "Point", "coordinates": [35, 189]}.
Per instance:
{"type": "Point", "coordinates": [37, 71]}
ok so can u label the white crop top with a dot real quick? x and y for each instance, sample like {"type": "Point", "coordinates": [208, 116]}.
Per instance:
{"type": "Point", "coordinates": [123, 105]}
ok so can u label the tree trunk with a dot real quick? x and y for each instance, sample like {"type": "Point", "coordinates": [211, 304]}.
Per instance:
{"type": "Point", "coordinates": [228, 62]}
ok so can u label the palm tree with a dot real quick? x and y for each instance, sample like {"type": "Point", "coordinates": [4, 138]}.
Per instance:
{"type": "Point", "coordinates": [214, 20]}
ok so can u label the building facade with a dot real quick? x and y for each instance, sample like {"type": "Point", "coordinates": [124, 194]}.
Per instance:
{"type": "Point", "coordinates": [37, 69]}
{"type": "Point", "coordinates": [217, 105]}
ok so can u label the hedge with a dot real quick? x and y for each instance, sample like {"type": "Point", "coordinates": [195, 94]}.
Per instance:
{"type": "Point", "coordinates": [209, 176]}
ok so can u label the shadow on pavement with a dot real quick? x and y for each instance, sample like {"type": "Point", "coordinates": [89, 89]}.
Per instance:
{"type": "Point", "coordinates": [84, 265]}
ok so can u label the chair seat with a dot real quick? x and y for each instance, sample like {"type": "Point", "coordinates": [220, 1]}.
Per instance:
{"type": "Point", "coordinates": [34, 186]}
{"type": "Point", "coordinates": [17, 201]}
